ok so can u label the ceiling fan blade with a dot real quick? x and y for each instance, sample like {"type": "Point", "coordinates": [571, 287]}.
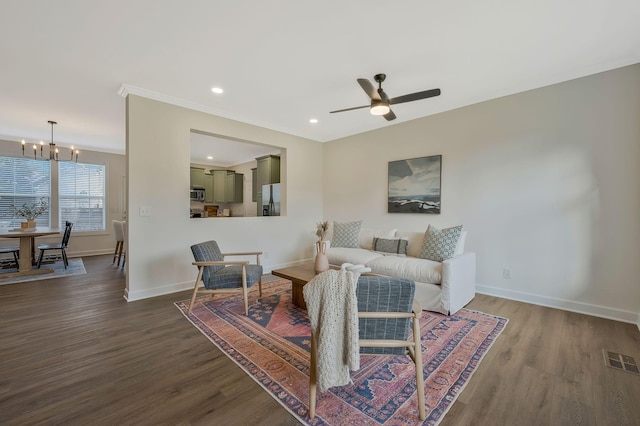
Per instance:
{"type": "Point", "coordinates": [369, 89]}
{"type": "Point", "coordinates": [390, 115]}
{"type": "Point", "coordinates": [350, 109]}
{"type": "Point", "coordinates": [415, 96]}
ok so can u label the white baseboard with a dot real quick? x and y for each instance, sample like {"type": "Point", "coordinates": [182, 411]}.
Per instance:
{"type": "Point", "coordinates": [268, 269]}
{"type": "Point", "coordinates": [157, 291]}
{"type": "Point", "coordinates": [567, 305]}
{"type": "Point", "coordinates": [86, 253]}
{"type": "Point", "coordinates": [177, 287]}
{"type": "Point", "coordinates": [551, 302]}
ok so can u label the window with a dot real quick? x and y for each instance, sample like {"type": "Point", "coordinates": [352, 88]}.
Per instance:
{"type": "Point", "coordinates": [81, 195]}
{"type": "Point", "coordinates": [23, 181]}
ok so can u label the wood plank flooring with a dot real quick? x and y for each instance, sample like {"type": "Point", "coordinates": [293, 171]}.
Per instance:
{"type": "Point", "coordinates": [73, 351]}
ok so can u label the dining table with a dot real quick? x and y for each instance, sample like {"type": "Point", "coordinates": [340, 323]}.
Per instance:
{"type": "Point", "coordinates": [27, 238]}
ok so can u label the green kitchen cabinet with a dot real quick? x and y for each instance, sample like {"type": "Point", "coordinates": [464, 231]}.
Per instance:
{"type": "Point", "coordinates": [268, 170]}
{"type": "Point", "coordinates": [254, 185]}
{"type": "Point", "coordinates": [208, 188]}
{"type": "Point", "coordinates": [197, 177]}
{"type": "Point", "coordinates": [219, 184]}
{"type": "Point", "coordinates": [234, 191]}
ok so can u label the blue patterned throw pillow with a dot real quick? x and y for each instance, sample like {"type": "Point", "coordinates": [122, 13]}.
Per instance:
{"type": "Point", "coordinates": [440, 244]}
{"type": "Point", "coordinates": [346, 234]}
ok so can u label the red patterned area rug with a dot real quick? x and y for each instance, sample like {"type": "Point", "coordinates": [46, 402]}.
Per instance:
{"type": "Point", "coordinates": [272, 346]}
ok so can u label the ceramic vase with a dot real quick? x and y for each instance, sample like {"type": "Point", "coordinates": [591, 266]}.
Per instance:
{"type": "Point", "coordinates": [321, 263]}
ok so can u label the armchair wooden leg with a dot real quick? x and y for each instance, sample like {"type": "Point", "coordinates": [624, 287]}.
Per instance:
{"type": "Point", "coordinates": [260, 279]}
{"type": "Point", "coordinates": [245, 294]}
{"type": "Point", "coordinates": [195, 289]}
{"type": "Point", "coordinates": [418, 363]}
{"type": "Point", "coordinates": [312, 379]}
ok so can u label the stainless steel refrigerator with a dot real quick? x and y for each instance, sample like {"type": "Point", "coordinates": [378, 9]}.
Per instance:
{"type": "Point", "coordinates": [271, 200]}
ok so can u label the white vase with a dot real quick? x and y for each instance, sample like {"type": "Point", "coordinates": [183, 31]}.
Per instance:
{"type": "Point", "coordinates": [321, 262]}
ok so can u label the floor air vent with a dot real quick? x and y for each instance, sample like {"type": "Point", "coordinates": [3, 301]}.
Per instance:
{"type": "Point", "coordinates": [620, 362]}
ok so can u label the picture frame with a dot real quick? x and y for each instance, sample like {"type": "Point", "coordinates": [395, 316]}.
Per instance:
{"type": "Point", "coordinates": [415, 185]}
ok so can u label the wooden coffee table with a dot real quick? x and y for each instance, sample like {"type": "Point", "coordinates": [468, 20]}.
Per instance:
{"type": "Point", "coordinates": [299, 276]}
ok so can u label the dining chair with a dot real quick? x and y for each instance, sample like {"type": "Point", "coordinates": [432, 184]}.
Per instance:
{"type": "Point", "coordinates": [62, 246]}
{"type": "Point", "coordinates": [118, 232]}
{"type": "Point", "coordinates": [386, 309]}
{"type": "Point", "coordinates": [223, 276]}
{"type": "Point", "coordinates": [12, 249]}
{"type": "Point", "coordinates": [124, 243]}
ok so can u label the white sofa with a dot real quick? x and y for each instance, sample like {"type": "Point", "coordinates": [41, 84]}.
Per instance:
{"type": "Point", "coordinates": [443, 287]}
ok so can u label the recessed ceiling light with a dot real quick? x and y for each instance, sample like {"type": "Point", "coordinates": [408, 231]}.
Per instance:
{"type": "Point", "coordinates": [217, 90]}
{"type": "Point", "coordinates": [209, 157]}
{"type": "Point", "coordinates": [313, 121]}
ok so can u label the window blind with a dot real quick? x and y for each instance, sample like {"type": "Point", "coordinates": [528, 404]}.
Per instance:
{"type": "Point", "coordinates": [81, 190]}
{"type": "Point", "coordinates": [23, 182]}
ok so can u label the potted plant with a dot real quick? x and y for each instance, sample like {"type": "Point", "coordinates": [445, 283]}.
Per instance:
{"type": "Point", "coordinates": [30, 213]}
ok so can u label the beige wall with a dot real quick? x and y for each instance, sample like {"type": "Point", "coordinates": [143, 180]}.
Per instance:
{"type": "Point", "coordinates": [88, 243]}
{"type": "Point", "coordinates": [159, 258]}
{"type": "Point", "coordinates": [547, 183]}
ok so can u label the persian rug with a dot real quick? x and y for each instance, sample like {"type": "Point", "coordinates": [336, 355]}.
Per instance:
{"type": "Point", "coordinates": [272, 346]}
{"type": "Point", "coordinates": [76, 267]}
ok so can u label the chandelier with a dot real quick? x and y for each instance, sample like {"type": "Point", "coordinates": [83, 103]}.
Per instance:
{"type": "Point", "coordinates": [53, 151]}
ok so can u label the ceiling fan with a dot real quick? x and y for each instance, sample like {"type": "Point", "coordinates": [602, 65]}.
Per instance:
{"type": "Point", "coordinates": [380, 102]}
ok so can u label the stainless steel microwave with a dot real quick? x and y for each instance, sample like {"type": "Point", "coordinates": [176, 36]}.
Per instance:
{"type": "Point", "coordinates": [196, 194]}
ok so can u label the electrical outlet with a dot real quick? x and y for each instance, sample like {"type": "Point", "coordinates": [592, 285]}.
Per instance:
{"type": "Point", "coordinates": [506, 273]}
{"type": "Point", "coordinates": [145, 211]}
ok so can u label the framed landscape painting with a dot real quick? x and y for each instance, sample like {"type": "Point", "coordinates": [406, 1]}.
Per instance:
{"type": "Point", "coordinates": [414, 185]}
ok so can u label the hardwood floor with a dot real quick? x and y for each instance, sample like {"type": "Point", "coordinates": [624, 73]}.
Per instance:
{"type": "Point", "coordinates": [73, 351]}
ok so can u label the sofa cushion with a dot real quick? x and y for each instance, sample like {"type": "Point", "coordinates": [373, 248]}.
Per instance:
{"type": "Point", "coordinates": [346, 234]}
{"type": "Point", "coordinates": [340, 255]}
{"type": "Point", "coordinates": [440, 244]}
{"type": "Point", "coordinates": [368, 234]}
{"type": "Point", "coordinates": [461, 241]}
{"type": "Point", "coordinates": [415, 242]}
{"type": "Point", "coordinates": [411, 268]}
{"type": "Point", "coordinates": [416, 239]}
{"type": "Point", "coordinates": [390, 247]}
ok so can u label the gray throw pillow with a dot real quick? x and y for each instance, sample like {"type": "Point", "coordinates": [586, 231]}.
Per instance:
{"type": "Point", "coordinates": [440, 244]}
{"type": "Point", "coordinates": [346, 234]}
{"type": "Point", "coordinates": [396, 246]}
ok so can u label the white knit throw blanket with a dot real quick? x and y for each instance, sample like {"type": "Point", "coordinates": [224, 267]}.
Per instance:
{"type": "Point", "coordinates": [333, 312]}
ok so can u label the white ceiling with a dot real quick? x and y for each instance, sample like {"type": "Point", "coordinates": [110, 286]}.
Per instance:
{"type": "Point", "coordinates": [284, 62]}
{"type": "Point", "coordinates": [225, 152]}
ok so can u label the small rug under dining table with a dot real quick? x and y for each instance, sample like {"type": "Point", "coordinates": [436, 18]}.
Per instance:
{"type": "Point", "coordinates": [272, 346]}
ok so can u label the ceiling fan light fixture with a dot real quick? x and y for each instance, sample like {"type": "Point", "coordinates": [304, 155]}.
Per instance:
{"type": "Point", "coordinates": [379, 108]}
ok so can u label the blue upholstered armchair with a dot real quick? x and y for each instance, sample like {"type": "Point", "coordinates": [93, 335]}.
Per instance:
{"type": "Point", "coordinates": [386, 311]}
{"type": "Point", "coordinates": [222, 276]}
